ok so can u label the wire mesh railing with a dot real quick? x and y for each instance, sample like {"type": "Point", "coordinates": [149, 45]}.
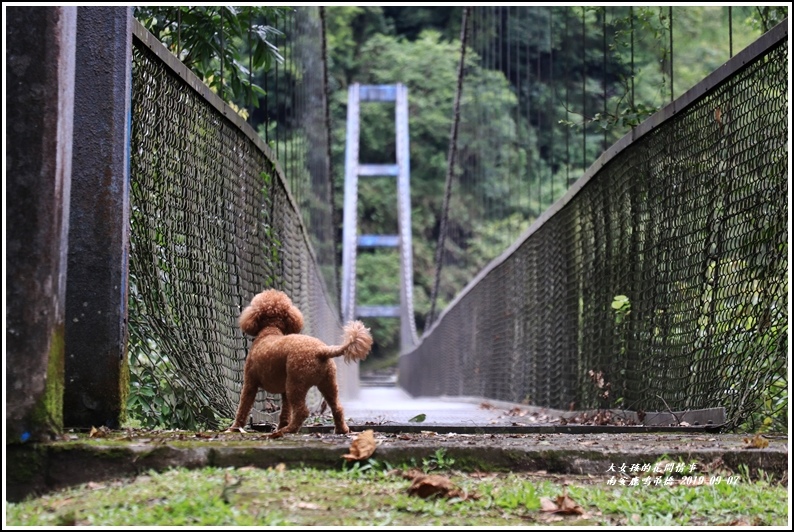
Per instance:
{"type": "Point", "coordinates": [658, 281]}
{"type": "Point", "coordinates": [216, 219]}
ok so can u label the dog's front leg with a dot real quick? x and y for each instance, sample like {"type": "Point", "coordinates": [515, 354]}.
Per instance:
{"type": "Point", "coordinates": [247, 397]}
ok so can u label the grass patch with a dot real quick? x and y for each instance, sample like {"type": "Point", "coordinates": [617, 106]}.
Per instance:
{"type": "Point", "coordinates": [373, 493]}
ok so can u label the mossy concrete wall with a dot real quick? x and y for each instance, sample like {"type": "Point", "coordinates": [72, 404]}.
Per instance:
{"type": "Point", "coordinates": [40, 66]}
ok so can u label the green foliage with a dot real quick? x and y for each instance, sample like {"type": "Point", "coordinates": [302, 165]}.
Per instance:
{"type": "Point", "coordinates": [358, 469]}
{"type": "Point", "coordinates": [517, 497]}
{"type": "Point", "coordinates": [622, 307]}
{"type": "Point", "coordinates": [439, 461]}
{"type": "Point", "coordinates": [764, 18]}
{"type": "Point", "coordinates": [222, 45]}
{"type": "Point", "coordinates": [157, 399]}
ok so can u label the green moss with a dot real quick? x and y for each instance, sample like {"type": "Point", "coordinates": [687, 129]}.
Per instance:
{"type": "Point", "coordinates": [47, 416]}
{"type": "Point", "coordinates": [124, 387]}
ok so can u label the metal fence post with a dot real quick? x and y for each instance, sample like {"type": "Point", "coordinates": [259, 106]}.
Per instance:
{"type": "Point", "coordinates": [96, 293]}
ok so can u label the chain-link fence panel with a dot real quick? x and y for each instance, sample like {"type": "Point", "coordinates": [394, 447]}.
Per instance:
{"type": "Point", "coordinates": [214, 220]}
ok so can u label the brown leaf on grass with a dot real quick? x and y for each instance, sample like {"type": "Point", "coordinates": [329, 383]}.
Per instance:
{"type": "Point", "coordinates": [756, 442]}
{"type": "Point", "coordinates": [100, 432]}
{"type": "Point", "coordinates": [410, 474]}
{"type": "Point", "coordinates": [547, 505]}
{"type": "Point", "coordinates": [362, 447]}
{"type": "Point", "coordinates": [563, 504]}
{"type": "Point", "coordinates": [427, 486]}
{"type": "Point", "coordinates": [487, 406]}
{"type": "Point", "coordinates": [430, 485]}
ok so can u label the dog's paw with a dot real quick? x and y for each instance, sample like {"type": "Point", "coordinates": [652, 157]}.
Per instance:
{"type": "Point", "coordinates": [236, 429]}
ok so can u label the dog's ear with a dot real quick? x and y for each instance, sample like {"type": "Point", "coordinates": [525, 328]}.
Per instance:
{"type": "Point", "coordinates": [250, 320]}
{"type": "Point", "coordinates": [293, 320]}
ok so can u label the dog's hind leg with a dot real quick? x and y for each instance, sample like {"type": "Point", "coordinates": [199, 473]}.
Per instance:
{"type": "Point", "coordinates": [296, 397]}
{"type": "Point", "coordinates": [330, 392]}
{"type": "Point", "coordinates": [286, 408]}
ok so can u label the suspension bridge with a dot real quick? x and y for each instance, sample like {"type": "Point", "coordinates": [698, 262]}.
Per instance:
{"type": "Point", "coordinates": [646, 272]}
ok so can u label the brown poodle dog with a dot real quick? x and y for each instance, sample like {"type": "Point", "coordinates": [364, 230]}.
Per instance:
{"type": "Point", "coordinates": [285, 362]}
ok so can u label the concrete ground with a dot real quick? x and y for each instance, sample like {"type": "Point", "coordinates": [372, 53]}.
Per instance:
{"type": "Point", "coordinates": [478, 435]}
{"type": "Point", "coordinates": [393, 406]}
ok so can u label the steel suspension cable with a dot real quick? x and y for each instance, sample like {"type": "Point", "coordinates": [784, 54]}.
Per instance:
{"type": "Point", "coordinates": [453, 145]}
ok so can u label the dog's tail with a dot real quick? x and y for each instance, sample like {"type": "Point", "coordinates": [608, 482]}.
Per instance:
{"type": "Point", "coordinates": [355, 346]}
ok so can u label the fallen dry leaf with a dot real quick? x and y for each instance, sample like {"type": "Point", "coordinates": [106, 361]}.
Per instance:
{"type": "Point", "coordinates": [430, 485]}
{"type": "Point", "coordinates": [362, 447]}
{"type": "Point", "coordinates": [100, 432]}
{"type": "Point", "coordinates": [547, 505]}
{"type": "Point", "coordinates": [563, 504]}
{"type": "Point", "coordinates": [426, 486]}
{"type": "Point", "coordinates": [756, 442]}
{"type": "Point", "coordinates": [410, 474]}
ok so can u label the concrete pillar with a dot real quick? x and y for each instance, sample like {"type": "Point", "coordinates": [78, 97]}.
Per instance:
{"type": "Point", "coordinates": [40, 63]}
{"type": "Point", "coordinates": [97, 373]}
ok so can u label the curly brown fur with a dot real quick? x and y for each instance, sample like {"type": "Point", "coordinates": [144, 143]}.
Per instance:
{"type": "Point", "coordinates": [285, 362]}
